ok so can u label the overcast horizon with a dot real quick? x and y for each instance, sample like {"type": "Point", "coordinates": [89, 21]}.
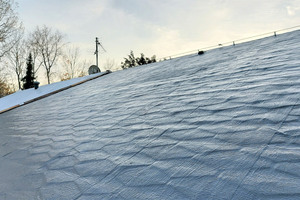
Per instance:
{"type": "Point", "coordinates": [160, 28]}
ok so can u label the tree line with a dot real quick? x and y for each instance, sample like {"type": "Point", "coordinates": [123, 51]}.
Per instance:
{"type": "Point", "coordinates": [133, 61]}
{"type": "Point", "coordinates": [43, 48]}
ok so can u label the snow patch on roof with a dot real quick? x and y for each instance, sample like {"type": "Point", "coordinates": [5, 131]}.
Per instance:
{"type": "Point", "coordinates": [22, 96]}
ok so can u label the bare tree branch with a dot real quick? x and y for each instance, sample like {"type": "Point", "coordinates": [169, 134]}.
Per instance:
{"type": "Point", "coordinates": [16, 58]}
{"type": "Point", "coordinates": [9, 26]}
{"type": "Point", "coordinates": [70, 62]}
{"type": "Point", "coordinates": [48, 45]}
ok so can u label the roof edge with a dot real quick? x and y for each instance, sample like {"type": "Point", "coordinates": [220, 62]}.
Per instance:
{"type": "Point", "coordinates": [52, 93]}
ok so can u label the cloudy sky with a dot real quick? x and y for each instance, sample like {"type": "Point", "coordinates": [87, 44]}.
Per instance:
{"type": "Point", "coordinates": [160, 27]}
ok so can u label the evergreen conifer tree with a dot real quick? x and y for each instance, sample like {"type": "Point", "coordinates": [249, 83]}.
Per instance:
{"type": "Point", "coordinates": [131, 61]}
{"type": "Point", "coordinates": [29, 78]}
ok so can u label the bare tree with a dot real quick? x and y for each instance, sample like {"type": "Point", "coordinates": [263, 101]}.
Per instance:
{"type": "Point", "coordinates": [9, 26]}
{"type": "Point", "coordinates": [5, 88]}
{"type": "Point", "coordinates": [83, 67]}
{"type": "Point", "coordinates": [80, 70]}
{"type": "Point", "coordinates": [70, 62]}
{"type": "Point", "coordinates": [73, 65]}
{"type": "Point", "coordinates": [49, 47]}
{"type": "Point", "coordinates": [110, 64]}
{"type": "Point", "coordinates": [16, 58]}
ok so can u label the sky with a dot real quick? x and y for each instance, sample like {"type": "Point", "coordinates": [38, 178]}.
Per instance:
{"type": "Point", "coordinates": [156, 27]}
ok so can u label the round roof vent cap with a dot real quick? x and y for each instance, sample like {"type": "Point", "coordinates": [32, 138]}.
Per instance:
{"type": "Point", "coordinates": [94, 69]}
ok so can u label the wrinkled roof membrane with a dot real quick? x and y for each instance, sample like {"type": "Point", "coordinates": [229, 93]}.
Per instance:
{"type": "Point", "coordinates": [223, 125]}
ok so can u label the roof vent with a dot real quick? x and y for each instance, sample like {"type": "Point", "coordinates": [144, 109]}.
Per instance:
{"type": "Point", "coordinates": [94, 69]}
{"type": "Point", "coordinates": [200, 52]}
{"type": "Point", "coordinates": [36, 84]}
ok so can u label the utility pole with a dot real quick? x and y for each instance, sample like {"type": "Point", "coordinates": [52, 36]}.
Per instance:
{"type": "Point", "coordinates": [96, 52]}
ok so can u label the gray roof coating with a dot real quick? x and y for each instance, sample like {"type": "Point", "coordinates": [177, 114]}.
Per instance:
{"type": "Point", "coordinates": [223, 125]}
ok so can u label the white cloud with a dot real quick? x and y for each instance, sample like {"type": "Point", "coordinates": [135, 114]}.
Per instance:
{"type": "Point", "coordinates": [161, 27]}
{"type": "Point", "coordinates": [292, 11]}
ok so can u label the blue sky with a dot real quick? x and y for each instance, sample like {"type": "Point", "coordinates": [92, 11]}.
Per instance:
{"type": "Point", "coordinates": [160, 27]}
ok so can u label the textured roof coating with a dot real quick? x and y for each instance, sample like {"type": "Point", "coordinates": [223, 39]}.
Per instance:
{"type": "Point", "coordinates": [223, 125]}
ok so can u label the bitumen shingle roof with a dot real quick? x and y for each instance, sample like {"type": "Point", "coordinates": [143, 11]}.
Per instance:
{"type": "Point", "coordinates": [223, 125]}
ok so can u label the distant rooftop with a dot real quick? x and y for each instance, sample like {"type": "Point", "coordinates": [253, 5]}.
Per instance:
{"type": "Point", "coordinates": [222, 125]}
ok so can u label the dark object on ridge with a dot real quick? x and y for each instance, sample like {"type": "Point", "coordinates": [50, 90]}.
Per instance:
{"type": "Point", "coordinates": [94, 69]}
{"type": "Point", "coordinates": [36, 84]}
{"type": "Point", "coordinates": [200, 52]}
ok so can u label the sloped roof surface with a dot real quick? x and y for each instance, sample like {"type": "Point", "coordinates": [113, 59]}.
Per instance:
{"type": "Point", "coordinates": [223, 125]}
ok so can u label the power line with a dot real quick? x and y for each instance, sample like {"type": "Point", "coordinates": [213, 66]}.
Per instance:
{"type": "Point", "coordinates": [234, 42]}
